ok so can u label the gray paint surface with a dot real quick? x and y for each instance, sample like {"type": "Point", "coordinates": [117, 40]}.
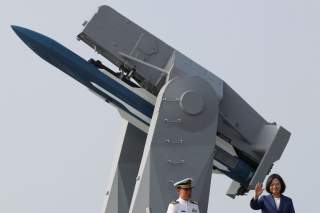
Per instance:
{"type": "Point", "coordinates": [277, 48]}
{"type": "Point", "coordinates": [126, 166]}
{"type": "Point", "coordinates": [166, 163]}
{"type": "Point", "coordinates": [115, 36]}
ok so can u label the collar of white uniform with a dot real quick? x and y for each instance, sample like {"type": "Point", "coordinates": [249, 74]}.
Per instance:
{"type": "Point", "coordinates": [182, 201]}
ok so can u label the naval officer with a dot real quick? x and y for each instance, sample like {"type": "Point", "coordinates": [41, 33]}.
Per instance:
{"type": "Point", "coordinates": [183, 204]}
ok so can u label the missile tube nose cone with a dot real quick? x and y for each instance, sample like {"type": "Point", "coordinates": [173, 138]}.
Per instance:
{"type": "Point", "coordinates": [24, 34]}
{"type": "Point", "coordinates": [15, 28]}
{"type": "Point", "coordinates": [18, 30]}
{"type": "Point", "coordinates": [33, 40]}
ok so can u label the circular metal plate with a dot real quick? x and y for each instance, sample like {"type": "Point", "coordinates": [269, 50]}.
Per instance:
{"type": "Point", "coordinates": [192, 102]}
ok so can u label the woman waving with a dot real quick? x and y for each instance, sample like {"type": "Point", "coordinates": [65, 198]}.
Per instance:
{"type": "Point", "coordinates": [275, 202]}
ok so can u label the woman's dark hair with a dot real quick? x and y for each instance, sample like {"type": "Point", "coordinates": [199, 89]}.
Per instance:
{"type": "Point", "coordinates": [270, 179]}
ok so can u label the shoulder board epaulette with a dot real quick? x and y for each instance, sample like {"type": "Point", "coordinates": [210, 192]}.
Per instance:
{"type": "Point", "coordinates": [174, 202]}
{"type": "Point", "coordinates": [194, 202]}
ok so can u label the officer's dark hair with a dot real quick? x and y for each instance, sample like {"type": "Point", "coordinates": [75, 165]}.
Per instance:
{"type": "Point", "coordinates": [270, 179]}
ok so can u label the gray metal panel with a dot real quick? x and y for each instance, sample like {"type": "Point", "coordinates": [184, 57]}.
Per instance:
{"type": "Point", "coordinates": [240, 115]}
{"type": "Point", "coordinates": [111, 33]}
{"type": "Point", "coordinates": [124, 43]}
{"type": "Point", "coordinates": [127, 166]}
{"type": "Point", "coordinates": [180, 65]}
{"type": "Point", "coordinates": [233, 189]}
{"type": "Point", "coordinates": [179, 145]}
{"type": "Point", "coordinates": [273, 153]}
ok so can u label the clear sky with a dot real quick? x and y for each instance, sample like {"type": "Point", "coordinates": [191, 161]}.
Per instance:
{"type": "Point", "coordinates": [57, 139]}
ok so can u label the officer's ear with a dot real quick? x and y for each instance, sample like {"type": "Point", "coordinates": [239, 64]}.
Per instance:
{"type": "Point", "coordinates": [178, 190]}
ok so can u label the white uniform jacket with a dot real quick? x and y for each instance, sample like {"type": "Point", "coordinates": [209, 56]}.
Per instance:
{"type": "Point", "coordinates": [183, 206]}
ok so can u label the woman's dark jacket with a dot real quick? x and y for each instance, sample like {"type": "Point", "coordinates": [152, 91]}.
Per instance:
{"type": "Point", "coordinates": [267, 204]}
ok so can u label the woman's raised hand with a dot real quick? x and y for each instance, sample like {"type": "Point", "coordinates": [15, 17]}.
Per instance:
{"type": "Point", "coordinates": [258, 190]}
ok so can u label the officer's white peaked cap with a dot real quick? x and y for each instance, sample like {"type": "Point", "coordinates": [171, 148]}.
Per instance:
{"type": "Point", "coordinates": [185, 183]}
